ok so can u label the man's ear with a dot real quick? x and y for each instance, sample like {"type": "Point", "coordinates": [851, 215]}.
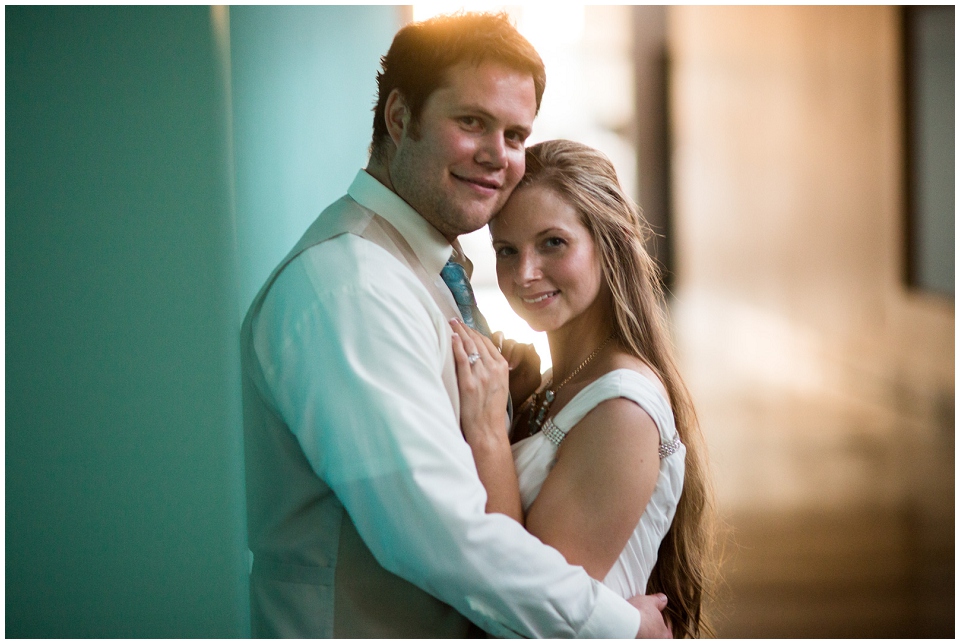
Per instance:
{"type": "Point", "coordinates": [397, 115]}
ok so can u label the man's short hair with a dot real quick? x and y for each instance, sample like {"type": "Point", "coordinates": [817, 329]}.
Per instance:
{"type": "Point", "coordinates": [422, 52]}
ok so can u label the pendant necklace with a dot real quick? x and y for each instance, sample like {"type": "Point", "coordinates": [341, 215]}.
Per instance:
{"type": "Point", "coordinates": [535, 420]}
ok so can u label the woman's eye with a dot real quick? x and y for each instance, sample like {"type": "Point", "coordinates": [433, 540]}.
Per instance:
{"type": "Point", "coordinates": [504, 252]}
{"type": "Point", "coordinates": [553, 242]}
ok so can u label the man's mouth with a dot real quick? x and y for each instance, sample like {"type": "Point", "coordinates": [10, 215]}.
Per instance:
{"type": "Point", "coordinates": [539, 298]}
{"type": "Point", "coordinates": [486, 184]}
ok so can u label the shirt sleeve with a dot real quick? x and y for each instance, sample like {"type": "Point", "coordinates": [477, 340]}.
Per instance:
{"type": "Point", "coordinates": [354, 366]}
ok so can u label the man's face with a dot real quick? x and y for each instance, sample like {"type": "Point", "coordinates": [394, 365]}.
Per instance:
{"type": "Point", "coordinates": [469, 152]}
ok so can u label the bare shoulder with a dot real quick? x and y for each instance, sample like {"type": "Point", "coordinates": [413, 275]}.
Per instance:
{"type": "Point", "coordinates": [617, 425]}
{"type": "Point", "coordinates": [614, 426]}
{"type": "Point", "coordinates": [627, 361]}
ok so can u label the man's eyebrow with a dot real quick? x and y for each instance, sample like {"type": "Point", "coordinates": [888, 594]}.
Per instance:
{"type": "Point", "coordinates": [476, 109]}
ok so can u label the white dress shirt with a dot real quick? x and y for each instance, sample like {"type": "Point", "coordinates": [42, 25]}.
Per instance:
{"type": "Point", "coordinates": [352, 347]}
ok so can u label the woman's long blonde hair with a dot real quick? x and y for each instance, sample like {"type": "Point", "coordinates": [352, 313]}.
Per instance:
{"type": "Point", "coordinates": [586, 179]}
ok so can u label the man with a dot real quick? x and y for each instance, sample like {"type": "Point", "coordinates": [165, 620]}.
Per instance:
{"type": "Point", "coordinates": [366, 515]}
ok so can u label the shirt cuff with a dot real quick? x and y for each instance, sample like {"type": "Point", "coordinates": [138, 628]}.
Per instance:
{"type": "Point", "coordinates": [612, 618]}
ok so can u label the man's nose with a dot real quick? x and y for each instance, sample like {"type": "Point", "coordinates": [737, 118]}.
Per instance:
{"type": "Point", "coordinates": [493, 151]}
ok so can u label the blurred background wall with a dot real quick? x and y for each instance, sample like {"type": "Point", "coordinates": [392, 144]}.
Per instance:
{"type": "Point", "coordinates": [824, 382]}
{"type": "Point", "coordinates": [304, 85]}
{"type": "Point", "coordinates": [159, 162]}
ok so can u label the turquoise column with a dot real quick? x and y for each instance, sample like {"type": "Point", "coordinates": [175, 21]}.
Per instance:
{"type": "Point", "coordinates": [124, 494]}
{"type": "Point", "coordinates": [134, 173]}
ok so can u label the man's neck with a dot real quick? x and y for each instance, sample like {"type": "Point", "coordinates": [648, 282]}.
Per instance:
{"type": "Point", "coordinates": [381, 172]}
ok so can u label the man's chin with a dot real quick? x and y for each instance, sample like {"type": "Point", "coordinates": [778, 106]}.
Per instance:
{"type": "Point", "coordinates": [475, 221]}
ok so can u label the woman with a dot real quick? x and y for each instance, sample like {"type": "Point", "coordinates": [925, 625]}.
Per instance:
{"type": "Point", "coordinates": [606, 445]}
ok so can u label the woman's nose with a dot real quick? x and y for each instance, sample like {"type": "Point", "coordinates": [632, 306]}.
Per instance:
{"type": "Point", "coordinates": [528, 268]}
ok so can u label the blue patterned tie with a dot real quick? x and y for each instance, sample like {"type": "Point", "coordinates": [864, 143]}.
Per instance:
{"type": "Point", "coordinates": [455, 277]}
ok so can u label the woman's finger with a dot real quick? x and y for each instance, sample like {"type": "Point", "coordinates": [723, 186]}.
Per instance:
{"type": "Point", "coordinates": [481, 344]}
{"type": "Point", "coordinates": [465, 333]}
{"type": "Point", "coordinates": [460, 356]}
{"type": "Point", "coordinates": [489, 346]}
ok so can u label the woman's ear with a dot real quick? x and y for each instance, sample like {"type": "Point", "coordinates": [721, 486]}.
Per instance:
{"type": "Point", "coordinates": [397, 115]}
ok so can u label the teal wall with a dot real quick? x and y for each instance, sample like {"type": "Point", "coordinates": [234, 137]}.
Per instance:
{"type": "Point", "coordinates": [124, 286]}
{"type": "Point", "coordinates": [304, 83]}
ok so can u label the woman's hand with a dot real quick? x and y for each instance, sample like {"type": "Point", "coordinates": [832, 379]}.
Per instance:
{"type": "Point", "coordinates": [482, 377]}
{"type": "Point", "coordinates": [524, 365]}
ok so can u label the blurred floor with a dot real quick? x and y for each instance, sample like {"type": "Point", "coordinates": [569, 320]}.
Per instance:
{"type": "Point", "coordinates": [857, 574]}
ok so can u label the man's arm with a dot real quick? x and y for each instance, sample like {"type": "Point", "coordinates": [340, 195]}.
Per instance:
{"type": "Point", "coordinates": [361, 388]}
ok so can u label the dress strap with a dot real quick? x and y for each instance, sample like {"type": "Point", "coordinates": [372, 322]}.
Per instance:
{"type": "Point", "coordinates": [556, 435]}
{"type": "Point", "coordinates": [666, 449]}
{"type": "Point", "coordinates": [553, 433]}
{"type": "Point", "coordinates": [620, 383]}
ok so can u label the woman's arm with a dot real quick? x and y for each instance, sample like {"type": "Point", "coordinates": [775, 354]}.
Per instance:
{"type": "Point", "coordinates": [605, 474]}
{"type": "Point", "coordinates": [606, 468]}
{"type": "Point", "coordinates": [484, 385]}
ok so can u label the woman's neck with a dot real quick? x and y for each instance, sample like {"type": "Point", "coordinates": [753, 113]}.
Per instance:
{"type": "Point", "coordinates": [571, 344]}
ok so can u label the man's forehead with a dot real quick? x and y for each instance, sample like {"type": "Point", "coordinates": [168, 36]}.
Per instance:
{"type": "Point", "coordinates": [451, 74]}
{"type": "Point", "coordinates": [469, 83]}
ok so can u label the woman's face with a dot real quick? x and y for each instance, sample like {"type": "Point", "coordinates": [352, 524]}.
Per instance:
{"type": "Point", "coordinates": [547, 262]}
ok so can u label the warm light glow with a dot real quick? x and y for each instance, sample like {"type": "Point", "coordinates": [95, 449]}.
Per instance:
{"type": "Point", "coordinates": [589, 98]}
{"type": "Point", "coordinates": [548, 26]}
{"type": "Point", "coordinates": [502, 318]}
{"type": "Point", "coordinates": [425, 10]}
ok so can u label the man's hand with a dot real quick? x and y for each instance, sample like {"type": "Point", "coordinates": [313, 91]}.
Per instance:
{"type": "Point", "coordinates": [524, 365]}
{"type": "Point", "coordinates": [652, 623]}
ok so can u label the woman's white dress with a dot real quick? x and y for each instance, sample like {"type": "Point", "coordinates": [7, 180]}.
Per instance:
{"type": "Point", "coordinates": [535, 456]}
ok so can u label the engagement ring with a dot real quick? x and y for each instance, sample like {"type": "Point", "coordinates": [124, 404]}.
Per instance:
{"type": "Point", "coordinates": [473, 357]}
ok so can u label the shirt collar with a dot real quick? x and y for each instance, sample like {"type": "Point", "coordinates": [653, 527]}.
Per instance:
{"type": "Point", "coordinates": [431, 248]}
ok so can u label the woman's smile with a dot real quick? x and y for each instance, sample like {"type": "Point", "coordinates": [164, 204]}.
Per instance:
{"type": "Point", "coordinates": [540, 299]}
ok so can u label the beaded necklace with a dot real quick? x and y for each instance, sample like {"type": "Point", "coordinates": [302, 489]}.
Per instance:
{"type": "Point", "coordinates": [535, 420]}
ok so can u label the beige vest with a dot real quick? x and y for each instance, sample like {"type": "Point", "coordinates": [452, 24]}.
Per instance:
{"type": "Point", "coordinates": [312, 574]}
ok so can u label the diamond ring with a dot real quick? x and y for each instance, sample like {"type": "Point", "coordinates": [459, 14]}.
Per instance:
{"type": "Point", "coordinates": [473, 357]}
